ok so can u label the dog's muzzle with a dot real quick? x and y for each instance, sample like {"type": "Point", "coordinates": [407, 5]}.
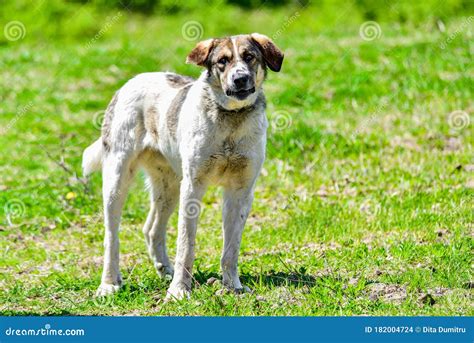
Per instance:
{"type": "Point", "coordinates": [240, 94]}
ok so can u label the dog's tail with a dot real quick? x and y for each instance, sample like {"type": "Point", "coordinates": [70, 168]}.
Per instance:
{"type": "Point", "coordinates": [92, 157]}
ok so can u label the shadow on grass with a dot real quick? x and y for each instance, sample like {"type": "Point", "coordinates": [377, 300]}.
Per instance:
{"type": "Point", "coordinates": [298, 279]}
{"type": "Point", "coordinates": [277, 279]}
{"type": "Point", "coordinates": [37, 313]}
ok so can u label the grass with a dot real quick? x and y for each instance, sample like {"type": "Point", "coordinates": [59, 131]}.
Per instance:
{"type": "Point", "coordinates": [364, 206]}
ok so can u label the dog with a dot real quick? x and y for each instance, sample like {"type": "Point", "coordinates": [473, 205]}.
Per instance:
{"type": "Point", "coordinates": [186, 134]}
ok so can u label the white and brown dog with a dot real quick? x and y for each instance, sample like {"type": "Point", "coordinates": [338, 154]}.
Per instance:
{"type": "Point", "coordinates": [186, 134]}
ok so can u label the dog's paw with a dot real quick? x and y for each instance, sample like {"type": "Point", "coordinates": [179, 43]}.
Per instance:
{"type": "Point", "coordinates": [227, 290]}
{"type": "Point", "coordinates": [242, 290]}
{"type": "Point", "coordinates": [177, 292]}
{"type": "Point", "coordinates": [106, 289]}
{"type": "Point", "coordinates": [234, 286]}
{"type": "Point", "coordinates": [164, 271]}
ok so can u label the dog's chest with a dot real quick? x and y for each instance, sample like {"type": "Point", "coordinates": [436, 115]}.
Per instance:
{"type": "Point", "coordinates": [228, 161]}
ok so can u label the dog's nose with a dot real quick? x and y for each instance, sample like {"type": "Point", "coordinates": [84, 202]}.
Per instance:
{"type": "Point", "coordinates": [240, 81]}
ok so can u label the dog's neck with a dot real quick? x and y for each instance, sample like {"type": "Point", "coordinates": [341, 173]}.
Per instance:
{"type": "Point", "coordinates": [226, 103]}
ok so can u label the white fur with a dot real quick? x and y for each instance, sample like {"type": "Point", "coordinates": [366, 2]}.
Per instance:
{"type": "Point", "coordinates": [92, 158]}
{"type": "Point", "coordinates": [175, 173]}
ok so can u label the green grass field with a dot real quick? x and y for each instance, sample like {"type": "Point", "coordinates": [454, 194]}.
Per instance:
{"type": "Point", "coordinates": [365, 204]}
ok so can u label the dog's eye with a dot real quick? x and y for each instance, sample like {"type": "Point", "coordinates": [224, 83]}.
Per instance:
{"type": "Point", "coordinates": [248, 58]}
{"type": "Point", "coordinates": [223, 61]}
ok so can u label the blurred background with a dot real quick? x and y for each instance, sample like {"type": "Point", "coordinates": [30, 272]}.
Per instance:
{"type": "Point", "coordinates": [364, 205]}
{"type": "Point", "coordinates": [78, 19]}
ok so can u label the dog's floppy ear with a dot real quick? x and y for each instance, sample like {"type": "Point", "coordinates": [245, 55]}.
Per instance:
{"type": "Point", "coordinates": [271, 54]}
{"type": "Point", "coordinates": [200, 53]}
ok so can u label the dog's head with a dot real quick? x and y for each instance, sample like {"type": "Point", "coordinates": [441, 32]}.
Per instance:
{"type": "Point", "coordinates": [238, 64]}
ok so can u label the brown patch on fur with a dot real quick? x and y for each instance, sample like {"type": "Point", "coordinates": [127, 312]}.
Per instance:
{"type": "Point", "coordinates": [272, 55]}
{"type": "Point", "coordinates": [107, 124]}
{"type": "Point", "coordinates": [178, 81]}
{"type": "Point", "coordinates": [200, 52]}
{"type": "Point", "coordinates": [174, 109]}
{"type": "Point", "coordinates": [246, 46]}
{"type": "Point", "coordinates": [224, 163]}
{"type": "Point", "coordinates": [222, 49]}
{"type": "Point", "coordinates": [154, 158]}
{"type": "Point", "coordinates": [235, 162]}
{"type": "Point", "coordinates": [151, 122]}
{"type": "Point", "coordinates": [232, 163]}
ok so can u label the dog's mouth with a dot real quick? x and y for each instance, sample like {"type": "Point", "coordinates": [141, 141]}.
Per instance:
{"type": "Point", "coordinates": [240, 94]}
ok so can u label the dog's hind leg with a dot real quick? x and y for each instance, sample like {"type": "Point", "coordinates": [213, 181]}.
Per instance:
{"type": "Point", "coordinates": [118, 170]}
{"type": "Point", "coordinates": [164, 194]}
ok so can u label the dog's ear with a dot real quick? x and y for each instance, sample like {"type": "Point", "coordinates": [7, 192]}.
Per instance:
{"type": "Point", "coordinates": [200, 53]}
{"type": "Point", "coordinates": [271, 54]}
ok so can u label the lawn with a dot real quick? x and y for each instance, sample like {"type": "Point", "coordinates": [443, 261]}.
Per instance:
{"type": "Point", "coordinates": [365, 203]}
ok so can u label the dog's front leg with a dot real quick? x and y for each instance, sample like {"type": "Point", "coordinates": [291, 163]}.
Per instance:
{"type": "Point", "coordinates": [191, 193]}
{"type": "Point", "coordinates": [237, 204]}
